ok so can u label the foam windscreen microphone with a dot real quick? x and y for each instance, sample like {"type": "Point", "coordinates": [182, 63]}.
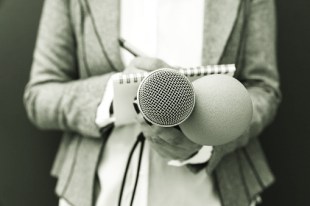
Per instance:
{"type": "Point", "coordinates": [213, 110]}
{"type": "Point", "coordinates": [222, 113]}
{"type": "Point", "coordinates": [165, 97]}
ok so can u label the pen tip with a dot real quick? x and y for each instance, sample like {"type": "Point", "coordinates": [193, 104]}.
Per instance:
{"type": "Point", "coordinates": [121, 41]}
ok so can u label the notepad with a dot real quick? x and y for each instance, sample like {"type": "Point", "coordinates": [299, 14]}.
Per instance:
{"type": "Point", "coordinates": [126, 85]}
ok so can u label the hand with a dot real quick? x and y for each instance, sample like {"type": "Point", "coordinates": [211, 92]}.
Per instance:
{"type": "Point", "coordinates": [145, 64]}
{"type": "Point", "coordinates": [168, 142]}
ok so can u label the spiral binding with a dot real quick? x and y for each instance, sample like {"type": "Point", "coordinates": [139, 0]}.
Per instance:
{"type": "Point", "coordinates": [208, 70]}
{"type": "Point", "coordinates": [228, 69]}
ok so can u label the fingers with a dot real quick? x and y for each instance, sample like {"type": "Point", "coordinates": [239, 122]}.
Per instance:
{"type": "Point", "coordinates": [130, 70]}
{"type": "Point", "coordinates": [170, 135]}
{"type": "Point", "coordinates": [165, 151]}
{"type": "Point", "coordinates": [169, 151]}
{"type": "Point", "coordinates": [169, 142]}
{"type": "Point", "coordinates": [148, 130]}
{"type": "Point", "coordinates": [148, 63]}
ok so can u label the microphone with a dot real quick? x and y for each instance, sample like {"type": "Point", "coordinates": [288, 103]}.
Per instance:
{"type": "Point", "coordinates": [165, 97]}
{"type": "Point", "coordinates": [222, 113]}
{"type": "Point", "coordinates": [213, 110]}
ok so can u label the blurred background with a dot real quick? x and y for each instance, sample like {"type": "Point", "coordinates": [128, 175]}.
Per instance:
{"type": "Point", "coordinates": [26, 154]}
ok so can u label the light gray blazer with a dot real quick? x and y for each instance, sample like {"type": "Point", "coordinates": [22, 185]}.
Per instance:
{"type": "Point", "coordinates": [76, 53]}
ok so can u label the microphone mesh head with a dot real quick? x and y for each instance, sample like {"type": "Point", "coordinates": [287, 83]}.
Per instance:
{"type": "Point", "coordinates": [166, 97]}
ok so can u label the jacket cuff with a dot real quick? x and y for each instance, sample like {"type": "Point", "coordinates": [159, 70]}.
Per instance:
{"type": "Point", "coordinates": [103, 116]}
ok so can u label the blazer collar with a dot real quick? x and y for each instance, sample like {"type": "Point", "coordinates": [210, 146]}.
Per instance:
{"type": "Point", "coordinates": [106, 14]}
{"type": "Point", "coordinates": [220, 16]}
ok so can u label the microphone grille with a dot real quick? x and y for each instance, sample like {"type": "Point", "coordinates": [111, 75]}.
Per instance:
{"type": "Point", "coordinates": [166, 97]}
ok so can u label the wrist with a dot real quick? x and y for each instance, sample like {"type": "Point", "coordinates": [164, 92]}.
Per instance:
{"type": "Point", "coordinates": [199, 157]}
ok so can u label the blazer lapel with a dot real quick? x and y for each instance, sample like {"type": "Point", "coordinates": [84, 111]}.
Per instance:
{"type": "Point", "coordinates": [107, 22]}
{"type": "Point", "coordinates": [220, 16]}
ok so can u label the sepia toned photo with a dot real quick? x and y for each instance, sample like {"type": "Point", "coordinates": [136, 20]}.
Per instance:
{"type": "Point", "coordinates": [154, 102]}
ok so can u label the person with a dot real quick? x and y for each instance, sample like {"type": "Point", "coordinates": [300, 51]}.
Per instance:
{"type": "Point", "coordinates": [78, 52]}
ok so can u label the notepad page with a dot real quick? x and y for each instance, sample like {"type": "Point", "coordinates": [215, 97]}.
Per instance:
{"type": "Point", "coordinates": [126, 86]}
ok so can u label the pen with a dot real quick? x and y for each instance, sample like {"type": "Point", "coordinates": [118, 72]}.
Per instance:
{"type": "Point", "coordinates": [130, 48]}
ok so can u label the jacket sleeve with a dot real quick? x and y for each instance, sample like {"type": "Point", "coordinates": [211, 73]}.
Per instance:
{"type": "Point", "coordinates": [54, 97]}
{"type": "Point", "coordinates": [259, 74]}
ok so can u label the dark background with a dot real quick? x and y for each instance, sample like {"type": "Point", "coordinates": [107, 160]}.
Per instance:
{"type": "Point", "coordinates": [26, 154]}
